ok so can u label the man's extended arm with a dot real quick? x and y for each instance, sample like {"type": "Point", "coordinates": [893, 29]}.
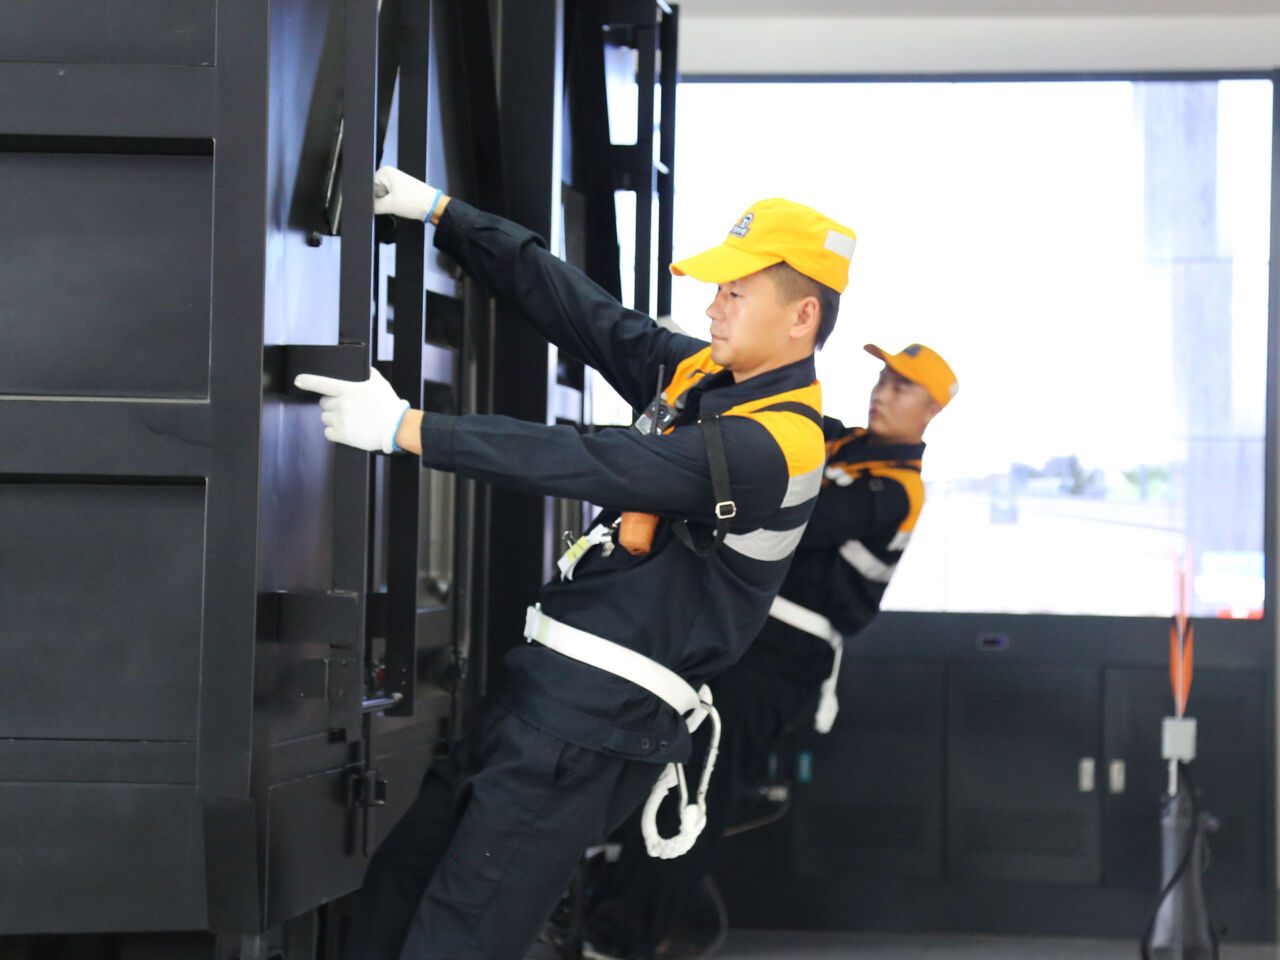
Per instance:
{"type": "Point", "coordinates": [620, 468]}
{"type": "Point", "coordinates": [557, 299]}
{"type": "Point", "coordinates": [561, 302]}
{"type": "Point", "coordinates": [614, 468]}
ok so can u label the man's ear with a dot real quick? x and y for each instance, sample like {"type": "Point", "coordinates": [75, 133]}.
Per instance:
{"type": "Point", "coordinates": [932, 411]}
{"type": "Point", "coordinates": [806, 319]}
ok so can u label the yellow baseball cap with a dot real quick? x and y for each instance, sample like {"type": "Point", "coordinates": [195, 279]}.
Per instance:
{"type": "Point", "coordinates": [773, 231]}
{"type": "Point", "coordinates": [921, 365]}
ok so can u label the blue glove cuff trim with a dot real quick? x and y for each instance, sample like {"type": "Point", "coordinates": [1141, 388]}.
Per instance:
{"type": "Point", "coordinates": [395, 447]}
{"type": "Point", "coordinates": [434, 200]}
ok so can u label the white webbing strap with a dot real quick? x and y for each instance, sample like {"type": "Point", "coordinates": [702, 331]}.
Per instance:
{"type": "Point", "coordinates": [595, 537]}
{"type": "Point", "coordinates": [802, 618]}
{"type": "Point", "coordinates": [667, 685]}
{"type": "Point", "coordinates": [828, 703]}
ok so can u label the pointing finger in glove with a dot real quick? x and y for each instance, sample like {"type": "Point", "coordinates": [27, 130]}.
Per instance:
{"type": "Point", "coordinates": [360, 413]}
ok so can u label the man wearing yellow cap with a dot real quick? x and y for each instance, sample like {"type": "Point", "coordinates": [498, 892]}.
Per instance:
{"type": "Point", "coordinates": [866, 511]}
{"type": "Point", "coordinates": [728, 455]}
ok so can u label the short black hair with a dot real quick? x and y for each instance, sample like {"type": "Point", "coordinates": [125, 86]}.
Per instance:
{"type": "Point", "coordinates": [792, 285]}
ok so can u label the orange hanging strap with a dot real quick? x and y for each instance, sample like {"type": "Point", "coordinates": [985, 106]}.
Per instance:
{"type": "Point", "coordinates": [1187, 667]}
{"type": "Point", "coordinates": [1181, 650]}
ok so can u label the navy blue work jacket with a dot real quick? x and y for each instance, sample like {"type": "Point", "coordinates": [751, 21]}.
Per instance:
{"type": "Point", "coordinates": [694, 615]}
{"type": "Point", "coordinates": [867, 509]}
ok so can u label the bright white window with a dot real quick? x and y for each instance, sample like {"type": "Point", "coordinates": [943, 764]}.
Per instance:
{"type": "Point", "coordinates": [1092, 259]}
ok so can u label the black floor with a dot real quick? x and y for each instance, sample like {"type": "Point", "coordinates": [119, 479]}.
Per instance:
{"type": "Point", "coordinates": [785, 945]}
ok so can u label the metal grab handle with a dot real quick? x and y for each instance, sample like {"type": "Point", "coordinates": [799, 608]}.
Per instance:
{"type": "Point", "coordinates": [381, 703]}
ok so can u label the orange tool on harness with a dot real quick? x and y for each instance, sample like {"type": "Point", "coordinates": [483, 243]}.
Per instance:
{"type": "Point", "coordinates": [635, 532]}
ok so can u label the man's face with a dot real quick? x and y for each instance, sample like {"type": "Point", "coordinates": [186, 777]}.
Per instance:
{"type": "Point", "coordinates": [750, 325]}
{"type": "Point", "coordinates": [900, 408]}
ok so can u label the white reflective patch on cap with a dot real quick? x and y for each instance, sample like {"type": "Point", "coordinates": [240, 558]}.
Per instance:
{"type": "Point", "coordinates": [840, 243]}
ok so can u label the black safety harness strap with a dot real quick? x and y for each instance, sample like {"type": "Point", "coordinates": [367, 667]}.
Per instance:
{"type": "Point", "coordinates": [725, 508]}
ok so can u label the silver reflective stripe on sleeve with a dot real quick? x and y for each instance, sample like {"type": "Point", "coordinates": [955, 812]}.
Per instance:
{"type": "Point", "coordinates": [765, 544]}
{"type": "Point", "coordinates": [866, 562]}
{"type": "Point", "coordinates": [803, 487]}
{"type": "Point", "coordinates": [900, 541]}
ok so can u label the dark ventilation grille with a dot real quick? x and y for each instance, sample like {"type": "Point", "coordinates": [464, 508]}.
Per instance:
{"type": "Point", "coordinates": [1025, 833]}
{"type": "Point", "coordinates": [833, 825]}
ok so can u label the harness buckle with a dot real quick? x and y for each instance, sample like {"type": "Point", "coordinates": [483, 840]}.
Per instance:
{"type": "Point", "coordinates": [726, 510]}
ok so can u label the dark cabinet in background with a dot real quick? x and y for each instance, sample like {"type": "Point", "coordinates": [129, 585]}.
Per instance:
{"type": "Point", "coordinates": [1013, 791]}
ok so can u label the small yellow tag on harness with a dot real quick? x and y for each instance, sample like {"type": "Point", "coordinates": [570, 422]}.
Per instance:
{"type": "Point", "coordinates": [599, 535]}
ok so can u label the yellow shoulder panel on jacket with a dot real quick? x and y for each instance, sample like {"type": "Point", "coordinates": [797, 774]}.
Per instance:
{"type": "Point", "coordinates": [687, 369]}
{"type": "Point", "coordinates": [799, 437]}
{"type": "Point", "coordinates": [911, 482]}
{"type": "Point", "coordinates": [906, 473]}
{"type": "Point", "coordinates": [834, 445]}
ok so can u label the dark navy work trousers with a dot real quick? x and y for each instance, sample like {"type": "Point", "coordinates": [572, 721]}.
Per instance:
{"type": "Point", "coordinates": [760, 698]}
{"type": "Point", "coordinates": [484, 853]}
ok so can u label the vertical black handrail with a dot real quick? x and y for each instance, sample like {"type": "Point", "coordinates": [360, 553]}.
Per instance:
{"type": "Point", "coordinates": [669, 77]}
{"type": "Point", "coordinates": [405, 472]}
{"type": "Point", "coordinates": [359, 108]}
{"type": "Point", "coordinates": [474, 40]}
{"type": "Point", "coordinates": [646, 35]}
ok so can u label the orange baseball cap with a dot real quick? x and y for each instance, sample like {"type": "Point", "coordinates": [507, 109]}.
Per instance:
{"type": "Point", "coordinates": [773, 231]}
{"type": "Point", "coordinates": [921, 365]}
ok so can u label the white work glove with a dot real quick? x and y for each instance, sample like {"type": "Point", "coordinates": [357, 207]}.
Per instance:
{"type": "Point", "coordinates": [364, 414]}
{"type": "Point", "coordinates": [401, 195]}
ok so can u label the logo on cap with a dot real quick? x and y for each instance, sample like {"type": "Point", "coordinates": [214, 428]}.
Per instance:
{"type": "Point", "coordinates": [912, 350]}
{"type": "Point", "coordinates": [740, 228]}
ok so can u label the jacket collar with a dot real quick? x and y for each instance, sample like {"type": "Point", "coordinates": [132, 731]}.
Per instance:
{"type": "Point", "coordinates": [720, 392]}
{"type": "Point", "coordinates": [860, 450]}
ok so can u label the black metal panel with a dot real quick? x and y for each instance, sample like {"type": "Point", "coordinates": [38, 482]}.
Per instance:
{"type": "Point", "coordinates": [230, 839]}
{"type": "Point", "coordinates": [531, 89]}
{"type": "Point", "coordinates": [312, 511]}
{"type": "Point", "coordinates": [669, 75]}
{"type": "Point", "coordinates": [108, 31]}
{"type": "Point", "coordinates": [107, 276]}
{"type": "Point", "coordinates": [1016, 810]}
{"type": "Point", "coordinates": [106, 438]}
{"type": "Point", "coordinates": [591, 222]}
{"type": "Point", "coordinates": [100, 611]}
{"type": "Point", "coordinates": [98, 761]}
{"type": "Point", "coordinates": [1028, 639]}
{"type": "Point", "coordinates": [403, 771]}
{"type": "Point", "coordinates": [874, 806]}
{"type": "Point", "coordinates": [85, 874]}
{"type": "Point", "coordinates": [293, 683]}
{"type": "Point", "coordinates": [93, 100]}
{"type": "Point", "coordinates": [240, 205]}
{"type": "Point", "coordinates": [1229, 773]}
{"type": "Point", "coordinates": [271, 544]}
{"type": "Point", "coordinates": [309, 824]}
{"type": "Point", "coordinates": [760, 874]}
{"type": "Point", "coordinates": [405, 480]}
